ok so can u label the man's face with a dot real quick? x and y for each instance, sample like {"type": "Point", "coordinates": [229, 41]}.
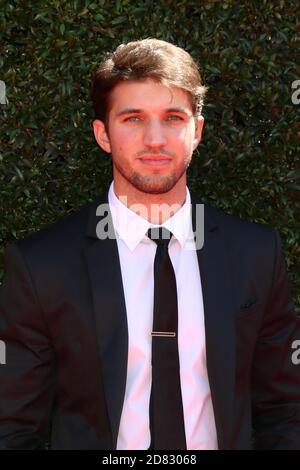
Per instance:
{"type": "Point", "coordinates": [151, 135]}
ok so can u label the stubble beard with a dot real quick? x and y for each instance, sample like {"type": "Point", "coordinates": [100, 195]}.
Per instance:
{"type": "Point", "coordinates": [153, 184]}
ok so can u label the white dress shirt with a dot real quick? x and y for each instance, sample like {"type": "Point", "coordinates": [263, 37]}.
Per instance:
{"type": "Point", "coordinates": [137, 252]}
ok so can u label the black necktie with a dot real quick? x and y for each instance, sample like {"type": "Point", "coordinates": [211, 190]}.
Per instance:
{"type": "Point", "coordinates": [166, 410]}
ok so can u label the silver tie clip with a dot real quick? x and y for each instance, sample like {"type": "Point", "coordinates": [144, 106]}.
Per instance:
{"type": "Point", "coordinates": [163, 333]}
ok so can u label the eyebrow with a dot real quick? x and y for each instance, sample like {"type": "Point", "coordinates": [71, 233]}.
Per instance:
{"type": "Point", "coordinates": [128, 111]}
{"type": "Point", "coordinates": [168, 110]}
{"type": "Point", "coordinates": [179, 110]}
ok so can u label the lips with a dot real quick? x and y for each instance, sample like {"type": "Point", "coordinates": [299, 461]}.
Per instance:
{"type": "Point", "coordinates": [158, 160]}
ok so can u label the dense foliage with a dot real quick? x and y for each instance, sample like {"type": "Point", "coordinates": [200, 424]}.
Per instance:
{"type": "Point", "coordinates": [247, 163]}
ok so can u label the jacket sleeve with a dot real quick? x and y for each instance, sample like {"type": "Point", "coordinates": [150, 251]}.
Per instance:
{"type": "Point", "coordinates": [276, 373]}
{"type": "Point", "coordinates": [27, 376]}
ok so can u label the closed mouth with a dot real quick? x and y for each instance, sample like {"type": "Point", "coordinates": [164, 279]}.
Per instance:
{"type": "Point", "coordinates": [156, 159]}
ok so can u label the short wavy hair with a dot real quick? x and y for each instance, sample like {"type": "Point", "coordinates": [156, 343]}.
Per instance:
{"type": "Point", "coordinates": [159, 60]}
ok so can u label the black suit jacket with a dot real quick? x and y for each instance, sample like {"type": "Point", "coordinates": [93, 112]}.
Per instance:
{"type": "Point", "coordinates": [63, 319]}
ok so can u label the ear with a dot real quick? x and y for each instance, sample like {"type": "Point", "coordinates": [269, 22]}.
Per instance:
{"type": "Point", "coordinates": [198, 131]}
{"type": "Point", "coordinates": [101, 135]}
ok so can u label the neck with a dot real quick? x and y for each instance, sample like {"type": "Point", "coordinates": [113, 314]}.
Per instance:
{"type": "Point", "coordinates": [156, 208]}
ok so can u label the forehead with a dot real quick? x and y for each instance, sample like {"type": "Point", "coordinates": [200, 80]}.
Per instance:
{"type": "Point", "coordinates": [147, 95]}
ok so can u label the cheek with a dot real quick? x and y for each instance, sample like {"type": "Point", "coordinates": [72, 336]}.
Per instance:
{"type": "Point", "coordinates": [185, 139]}
{"type": "Point", "coordinates": [123, 140]}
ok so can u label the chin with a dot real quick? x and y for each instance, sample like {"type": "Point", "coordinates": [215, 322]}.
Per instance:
{"type": "Point", "coordinates": [145, 184]}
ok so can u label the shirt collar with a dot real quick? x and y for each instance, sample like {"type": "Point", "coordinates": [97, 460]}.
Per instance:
{"type": "Point", "coordinates": [131, 227]}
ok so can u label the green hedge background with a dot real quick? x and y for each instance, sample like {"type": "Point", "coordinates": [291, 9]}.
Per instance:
{"type": "Point", "coordinates": [247, 163]}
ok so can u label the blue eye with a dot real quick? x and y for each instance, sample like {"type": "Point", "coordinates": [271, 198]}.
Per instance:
{"type": "Point", "coordinates": [175, 117]}
{"type": "Point", "coordinates": [132, 119]}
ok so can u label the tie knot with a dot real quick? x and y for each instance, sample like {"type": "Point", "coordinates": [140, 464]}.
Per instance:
{"type": "Point", "coordinates": [160, 235]}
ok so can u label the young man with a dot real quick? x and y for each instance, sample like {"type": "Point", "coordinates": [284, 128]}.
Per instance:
{"type": "Point", "coordinates": [129, 341]}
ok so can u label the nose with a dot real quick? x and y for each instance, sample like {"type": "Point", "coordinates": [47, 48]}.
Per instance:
{"type": "Point", "coordinates": [154, 135]}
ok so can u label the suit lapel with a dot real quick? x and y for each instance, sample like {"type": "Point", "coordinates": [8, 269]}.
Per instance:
{"type": "Point", "coordinates": [104, 270]}
{"type": "Point", "coordinates": [219, 308]}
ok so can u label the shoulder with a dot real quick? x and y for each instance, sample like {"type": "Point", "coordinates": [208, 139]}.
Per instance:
{"type": "Point", "coordinates": [58, 239]}
{"type": "Point", "coordinates": [232, 222]}
{"type": "Point", "coordinates": [242, 234]}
